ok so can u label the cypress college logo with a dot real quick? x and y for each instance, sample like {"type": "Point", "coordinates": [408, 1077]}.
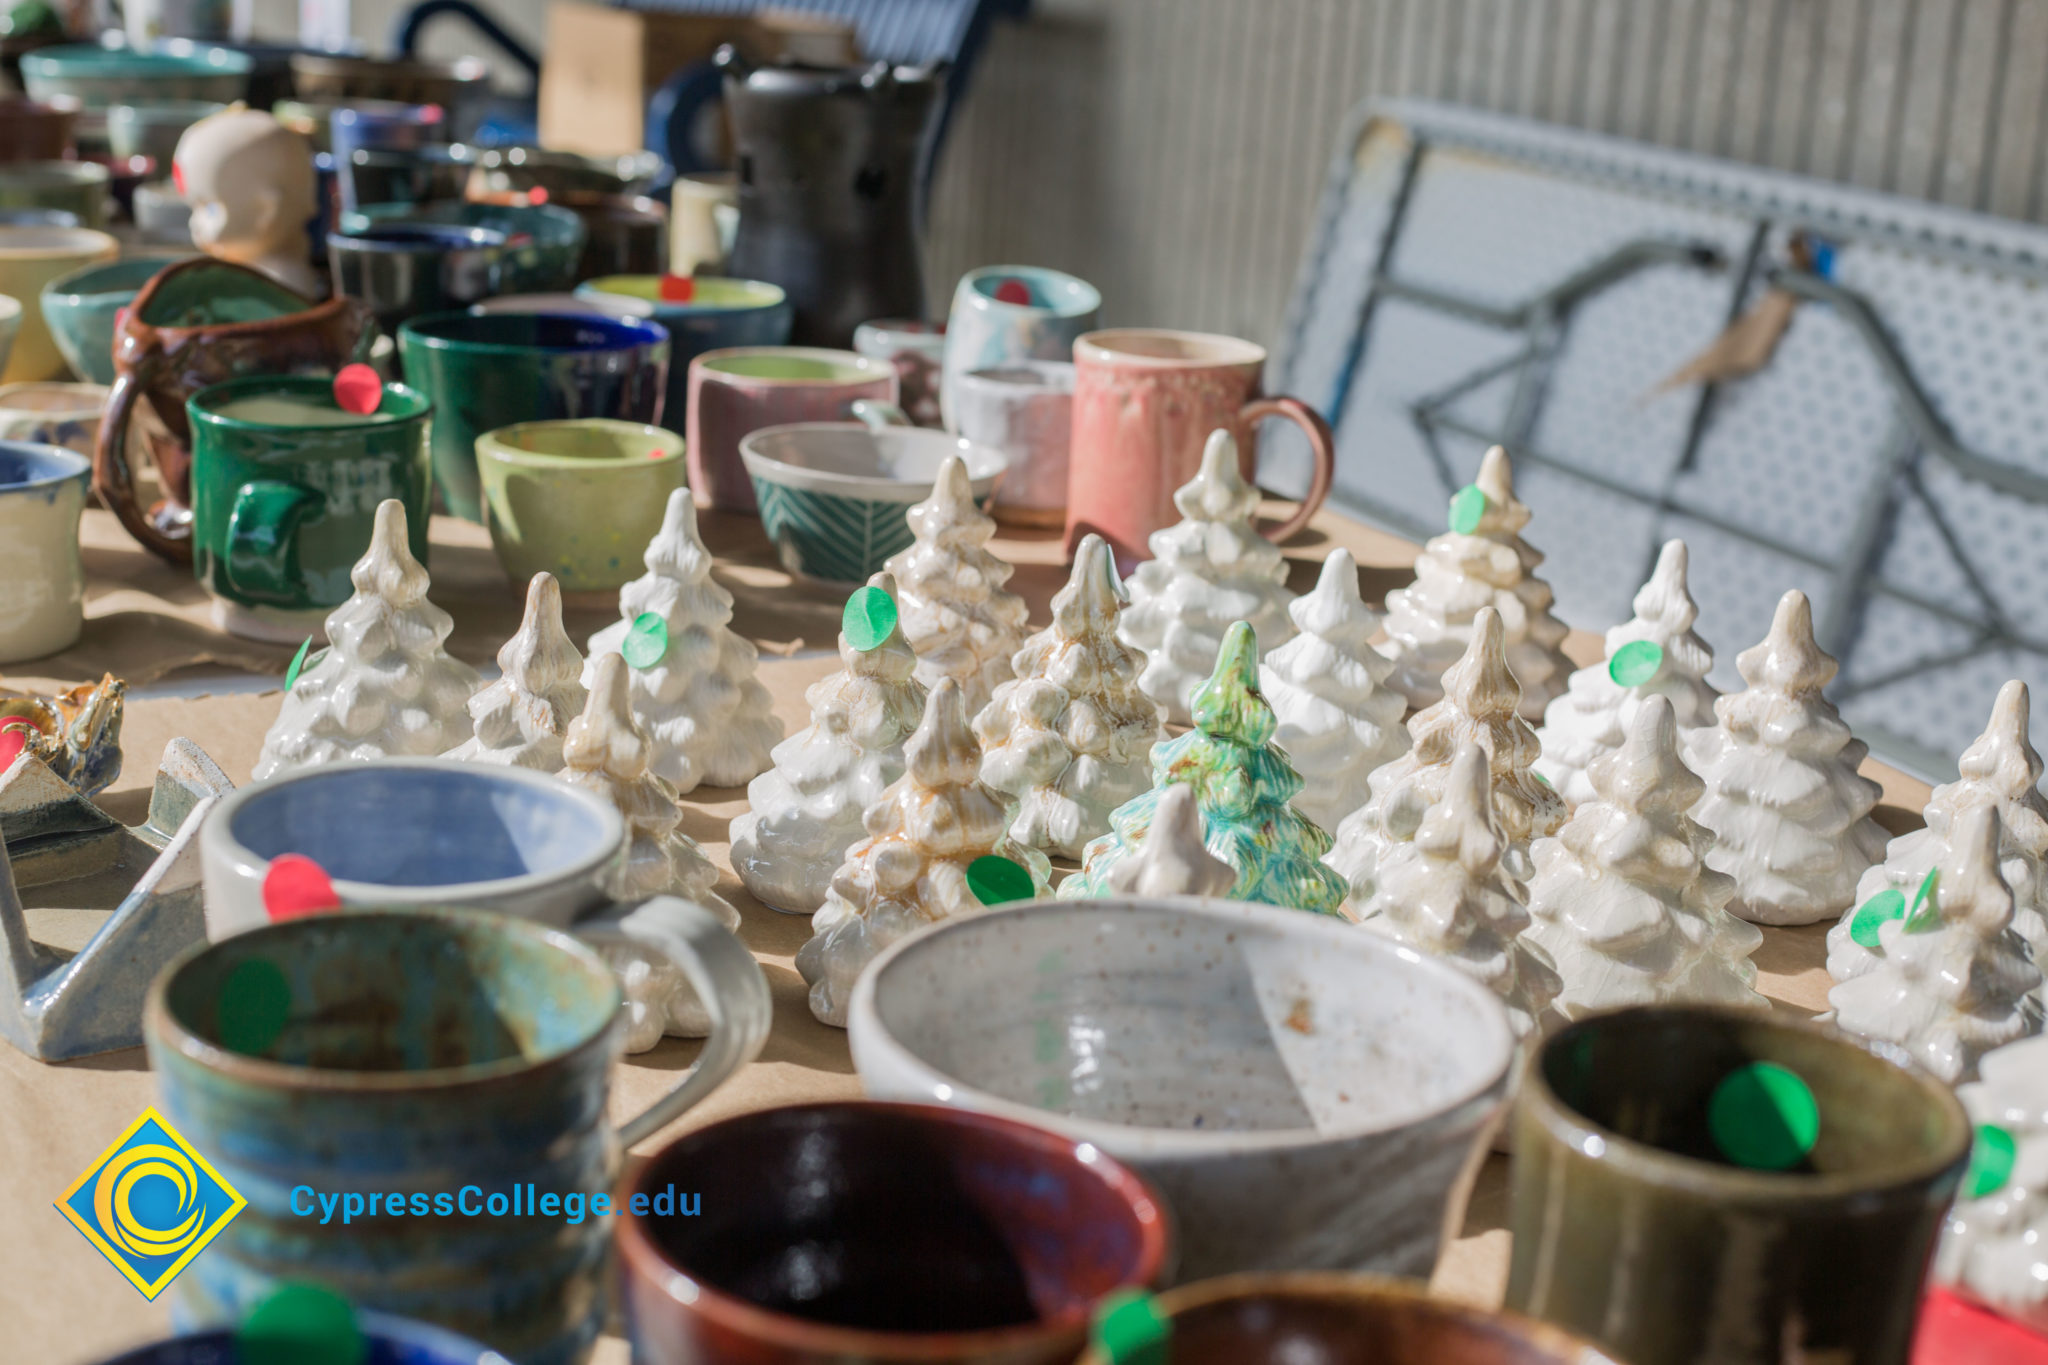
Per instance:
{"type": "Point", "coordinates": [150, 1203]}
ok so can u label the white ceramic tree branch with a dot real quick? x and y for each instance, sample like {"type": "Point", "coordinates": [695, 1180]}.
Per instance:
{"type": "Point", "coordinates": [957, 615]}
{"type": "Point", "coordinates": [1996, 1244]}
{"type": "Point", "coordinates": [520, 719]}
{"type": "Point", "coordinates": [385, 687]}
{"type": "Point", "coordinates": [1174, 860]}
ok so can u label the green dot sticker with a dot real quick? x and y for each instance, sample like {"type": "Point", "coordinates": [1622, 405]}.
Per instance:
{"type": "Point", "coordinates": [254, 1003]}
{"type": "Point", "coordinates": [301, 1324]}
{"type": "Point", "coordinates": [1468, 505]}
{"type": "Point", "coordinates": [1636, 662]}
{"type": "Point", "coordinates": [1764, 1117]}
{"type": "Point", "coordinates": [996, 880]}
{"type": "Point", "coordinates": [1991, 1159]}
{"type": "Point", "coordinates": [870, 616]}
{"type": "Point", "coordinates": [298, 665]}
{"type": "Point", "coordinates": [1871, 916]}
{"type": "Point", "coordinates": [1925, 911]}
{"type": "Point", "coordinates": [646, 642]}
{"type": "Point", "coordinates": [1130, 1329]}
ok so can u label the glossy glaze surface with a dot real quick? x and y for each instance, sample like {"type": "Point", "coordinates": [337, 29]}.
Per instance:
{"type": "Point", "coordinates": [721, 313]}
{"type": "Point", "coordinates": [578, 499]}
{"type": "Point", "coordinates": [83, 309]}
{"type": "Point", "coordinates": [987, 331]}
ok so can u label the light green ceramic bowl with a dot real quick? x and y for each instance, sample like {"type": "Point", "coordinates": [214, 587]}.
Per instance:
{"type": "Point", "coordinates": [76, 187]}
{"type": "Point", "coordinates": [578, 499]}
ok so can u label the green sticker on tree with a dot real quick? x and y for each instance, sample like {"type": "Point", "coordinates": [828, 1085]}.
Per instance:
{"type": "Point", "coordinates": [1871, 916]}
{"type": "Point", "coordinates": [1468, 505]}
{"type": "Point", "coordinates": [869, 618]}
{"type": "Point", "coordinates": [646, 642]}
{"type": "Point", "coordinates": [1925, 911]}
{"type": "Point", "coordinates": [1991, 1160]}
{"type": "Point", "coordinates": [996, 880]}
{"type": "Point", "coordinates": [301, 1324]}
{"type": "Point", "coordinates": [255, 1001]}
{"type": "Point", "coordinates": [298, 665]}
{"type": "Point", "coordinates": [1636, 662]}
{"type": "Point", "coordinates": [1764, 1117]}
{"type": "Point", "coordinates": [1130, 1329]}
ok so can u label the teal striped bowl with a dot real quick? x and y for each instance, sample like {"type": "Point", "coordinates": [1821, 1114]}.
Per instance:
{"type": "Point", "coordinates": [833, 494]}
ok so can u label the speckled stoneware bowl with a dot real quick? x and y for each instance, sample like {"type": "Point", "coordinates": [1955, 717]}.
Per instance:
{"type": "Point", "coordinates": [1306, 1096]}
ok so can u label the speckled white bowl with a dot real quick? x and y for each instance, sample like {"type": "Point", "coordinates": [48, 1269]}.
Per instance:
{"type": "Point", "coordinates": [1305, 1095]}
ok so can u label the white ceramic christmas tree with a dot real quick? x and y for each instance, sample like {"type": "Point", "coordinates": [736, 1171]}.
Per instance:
{"type": "Point", "coordinates": [1623, 902]}
{"type": "Point", "coordinates": [1444, 893]}
{"type": "Point", "coordinates": [806, 811]}
{"type": "Point", "coordinates": [956, 613]}
{"type": "Point", "coordinates": [694, 686]}
{"type": "Point", "coordinates": [1174, 859]}
{"type": "Point", "coordinates": [1338, 719]}
{"type": "Point", "coordinates": [1789, 813]}
{"type": "Point", "coordinates": [1208, 570]}
{"type": "Point", "coordinates": [1480, 705]}
{"type": "Point", "coordinates": [912, 868]}
{"type": "Point", "coordinates": [520, 719]}
{"type": "Point", "coordinates": [1070, 738]}
{"type": "Point", "coordinates": [2000, 768]}
{"type": "Point", "coordinates": [1996, 1244]}
{"type": "Point", "coordinates": [1654, 654]}
{"type": "Point", "coordinates": [385, 687]}
{"type": "Point", "coordinates": [1482, 561]}
{"type": "Point", "coordinates": [1953, 981]}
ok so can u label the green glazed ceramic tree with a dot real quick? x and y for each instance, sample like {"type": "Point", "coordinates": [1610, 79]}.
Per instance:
{"type": "Point", "coordinates": [1243, 786]}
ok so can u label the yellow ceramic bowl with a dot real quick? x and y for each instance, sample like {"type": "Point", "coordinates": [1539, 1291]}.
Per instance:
{"type": "Point", "coordinates": [30, 257]}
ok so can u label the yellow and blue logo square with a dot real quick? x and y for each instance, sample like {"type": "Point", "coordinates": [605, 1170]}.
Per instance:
{"type": "Point", "coordinates": [150, 1203]}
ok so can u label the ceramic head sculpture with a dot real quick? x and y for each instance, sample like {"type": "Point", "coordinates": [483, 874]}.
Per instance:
{"type": "Point", "coordinates": [1070, 737]}
{"type": "Point", "coordinates": [1207, 571]}
{"type": "Point", "coordinates": [956, 613]}
{"type": "Point", "coordinates": [1339, 721]}
{"type": "Point", "coordinates": [1996, 1244]}
{"type": "Point", "coordinates": [1789, 813]}
{"type": "Point", "coordinates": [806, 811]}
{"type": "Point", "coordinates": [1175, 860]}
{"type": "Point", "coordinates": [1481, 561]}
{"type": "Point", "coordinates": [1655, 653]}
{"type": "Point", "coordinates": [520, 719]}
{"type": "Point", "coordinates": [250, 183]}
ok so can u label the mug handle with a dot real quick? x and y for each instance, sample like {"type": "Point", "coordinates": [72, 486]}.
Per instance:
{"type": "Point", "coordinates": [114, 480]}
{"type": "Point", "coordinates": [728, 982]}
{"type": "Point", "coordinates": [1322, 445]}
{"type": "Point", "coordinates": [878, 414]}
{"type": "Point", "coordinates": [261, 559]}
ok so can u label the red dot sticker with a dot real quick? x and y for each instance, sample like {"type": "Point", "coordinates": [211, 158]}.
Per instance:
{"type": "Point", "coordinates": [537, 195]}
{"type": "Point", "coordinates": [357, 389]}
{"type": "Point", "coordinates": [14, 738]}
{"type": "Point", "coordinates": [1013, 291]}
{"type": "Point", "coordinates": [678, 289]}
{"type": "Point", "coordinates": [178, 178]}
{"type": "Point", "coordinates": [431, 113]}
{"type": "Point", "coordinates": [295, 885]}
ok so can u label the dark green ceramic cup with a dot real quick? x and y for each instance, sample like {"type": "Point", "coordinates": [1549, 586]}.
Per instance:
{"type": "Point", "coordinates": [1633, 1229]}
{"type": "Point", "coordinates": [285, 488]}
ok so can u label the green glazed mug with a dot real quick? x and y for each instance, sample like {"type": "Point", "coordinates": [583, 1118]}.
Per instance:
{"type": "Point", "coordinates": [577, 498]}
{"type": "Point", "coordinates": [285, 488]}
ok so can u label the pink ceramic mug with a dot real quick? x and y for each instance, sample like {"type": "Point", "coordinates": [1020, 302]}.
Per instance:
{"type": "Point", "coordinates": [1145, 401]}
{"type": "Point", "coordinates": [743, 388]}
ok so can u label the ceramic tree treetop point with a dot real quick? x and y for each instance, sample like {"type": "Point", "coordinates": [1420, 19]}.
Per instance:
{"type": "Point", "coordinates": [957, 615]}
{"type": "Point", "coordinates": [1623, 902]}
{"type": "Point", "coordinates": [805, 812]}
{"type": "Point", "coordinates": [1482, 561]}
{"type": "Point", "coordinates": [1789, 813]}
{"type": "Point", "coordinates": [2000, 768]}
{"type": "Point", "coordinates": [1243, 789]}
{"type": "Point", "coordinates": [1996, 1242]}
{"type": "Point", "coordinates": [693, 680]}
{"type": "Point", "coordinates": [1654, 654]}
{"type": "Point", "coordinates": [1338, 719]}
{"type": "Point", "coordinates": [1208, 570]}
{"type": "Point", "coordinates": [1953, 981]}
{"type": "Point", "coordinates": [1070, 736]}
{"type": "Point", "coordinates": [385, 687]}
{"type": "Point", "coordinates": [520, 719]}
{"type": "Point", "coordinates": [1175, 859]}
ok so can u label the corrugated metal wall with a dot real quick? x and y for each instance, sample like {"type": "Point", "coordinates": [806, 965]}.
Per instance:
{"type": "Point", "coordinates": [1171, 151]}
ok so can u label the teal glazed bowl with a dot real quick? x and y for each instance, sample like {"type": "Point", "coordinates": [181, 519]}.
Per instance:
{"type": "Point", "coordinates": [542, 242]}
{"type": "Point", "coordinates": [718, 314]}
{"type": "Point", "coordinates": [83, 308]}
{"type": "Point", "coordinates": [101, 77]}
{"type": "Point", "coordinates": [152, 128]}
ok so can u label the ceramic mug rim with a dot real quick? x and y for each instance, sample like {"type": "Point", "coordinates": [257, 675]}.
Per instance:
{"type": "Point", "coordinates": [866, 487]}
{"type": "Point", "coordinates": [1102, 348]}
{"type": "Point", "coordinates": [632, 334]}
{"type": "Point", "coordinates": [80, 466]}
{"type": "Point", "coordinates": [645, 1261]}
{"type": "Point", "coordinates": [496, 445]}
{"type": "Point", "coordinates": [199, 409]}
{"type": "Point", "coordinates": [762, 296]}
{"type": "Point", "coordinates": [95, 409]}
{"type": "Point", "coordinates": [854, 367]}
{"type": "Point", "coordinates": [87, 59]}
{"type": "Point", "coordinates": [1124, 1141]}
{"type": "Point", "coordinates": [159, 1021]}
{"type": "Point", "coordinates": [1083, 297]}
{"type": "Point", "coordinates": [65, 287]}
{"type": "Point", "coordinates": [404, 237]}
{"type": "Point", "coordinates": [1705, 1179]}
{"type": "Point", "coordinates": [87, 244]}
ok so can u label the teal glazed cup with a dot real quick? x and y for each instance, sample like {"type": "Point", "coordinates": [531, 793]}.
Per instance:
{"type": "Point", "coordinates": [490, 370]}
{"type": "Point", "coordinates": [452, 1061]}
{"type": "Point", "coordinates": [285, 489]}
{"type": "Point", "coordinates": [990, 327]}
{"type": "Point", "coordinates": [578, 499]}
{"type": "Point", "coordinates": [542, 242]}
{"type": "Point", "coordinates": [719, 313]}
{"type": "Point", "coordinates": [83, 309]}
{"type": "Point", "coordinates": [1632, 1228]}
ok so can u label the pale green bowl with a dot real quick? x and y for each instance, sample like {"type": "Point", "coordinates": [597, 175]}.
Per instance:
{"type": "Point", "coordinates": [578, 498]}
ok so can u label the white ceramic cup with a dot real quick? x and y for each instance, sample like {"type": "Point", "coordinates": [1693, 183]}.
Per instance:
{"type": "Point", "coordinates": [1024, 409]}
{"type": "Point", "coordinates": [52, 414]}
{"type": "Point", "coordinates": [1305, 1096]}
{"type": "Point", "coordinates": [42, 493]}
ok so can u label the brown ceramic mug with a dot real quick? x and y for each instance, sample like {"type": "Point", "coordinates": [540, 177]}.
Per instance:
{"type": "Point", "coordinates": [1633, 1226]}
{"type": "Point", "coordinates": [861, 1232]}
{"type": "Point", "coordinates": [1145, 401]}
{"type": "Point", "coordinates": [196, 324]}
{"type": "Point", "coordinates": [32, 131]}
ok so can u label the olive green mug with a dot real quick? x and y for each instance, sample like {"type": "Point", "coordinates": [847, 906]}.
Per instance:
{"type": "Point", "coordinates": [1699, 1184]}
{"type": "Point", "coordinates": [579, 498]}
{"type": "Point", "coordinates": [285, 488]}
